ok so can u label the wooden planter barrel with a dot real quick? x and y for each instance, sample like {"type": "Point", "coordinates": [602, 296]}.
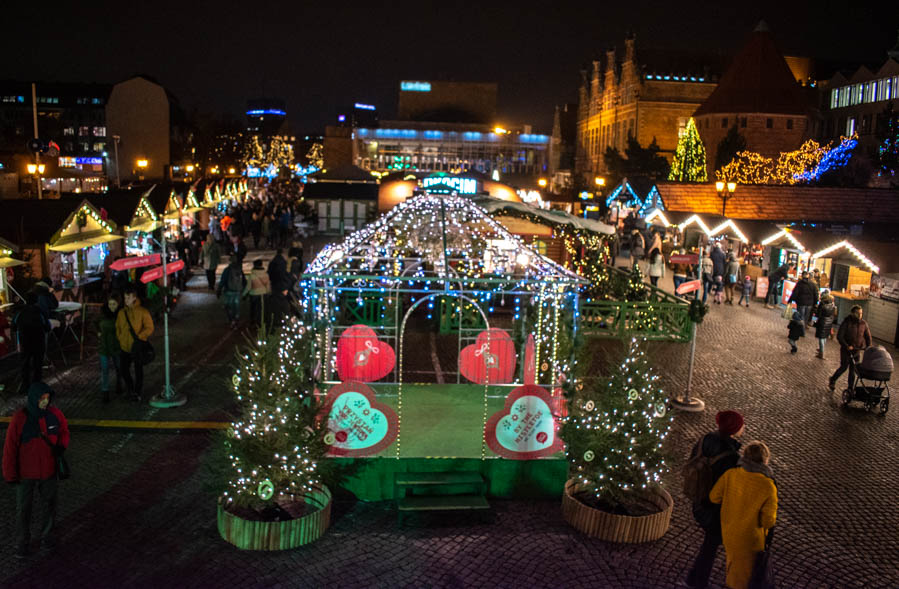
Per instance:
{"type": "Point", "coordinates": [618, 528]}
{"type": "Point", "coordinates": [281, 535]}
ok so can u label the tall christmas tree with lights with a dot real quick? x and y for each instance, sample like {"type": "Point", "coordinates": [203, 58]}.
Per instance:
{"type": "Point", "coordinates": [615, 430]}
{"type": "Point", "coordinates": [888, 152]}
{"type": "Point", "coordinates": [276, 444]}
{"type": "Point", "coordinates": [689, 158]}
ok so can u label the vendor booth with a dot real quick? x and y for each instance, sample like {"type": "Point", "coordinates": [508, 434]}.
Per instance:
{"type": "Point", "coordinates": [8, 260]}
{"type": "Point", "coordinates": [445, 338]}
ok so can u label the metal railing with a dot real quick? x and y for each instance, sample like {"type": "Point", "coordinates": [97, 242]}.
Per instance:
{"type": "Point", "coordinates": [657, 316]}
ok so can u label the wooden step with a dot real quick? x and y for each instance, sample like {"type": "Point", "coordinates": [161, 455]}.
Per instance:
{"type": "Point", "coordinates": [443, 503]}
{"type": "Point", "coordinates": [431, 479]}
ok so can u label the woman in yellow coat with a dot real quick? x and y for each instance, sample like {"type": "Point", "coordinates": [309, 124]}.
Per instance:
{"type": "Point", "coordinates": [748, 498]}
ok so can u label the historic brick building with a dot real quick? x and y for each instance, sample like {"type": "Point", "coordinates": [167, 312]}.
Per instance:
{"type": "Point", "coordinates": [643, 97]}
{"type": "Point", "coordinates": [758, 93]}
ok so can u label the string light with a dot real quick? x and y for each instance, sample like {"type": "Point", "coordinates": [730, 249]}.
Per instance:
{"type": "Point", "coordinates": [804, 165]}
{"type": "Point", "coordinates": [853, 250]}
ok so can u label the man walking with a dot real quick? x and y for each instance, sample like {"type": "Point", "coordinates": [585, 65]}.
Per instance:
{"type": "Point", "coordinates": [37, 434]}
{"type": "Point", "coordinates": [231, 284]}
{"type": "Point", "coordinates": [212, 256]}
{"type": "Point", "coordinates": [712, 456]}
{"type": "Point", "coordinates": [805, 295]}
{"type": "Point", "coordinates": [853, 336]}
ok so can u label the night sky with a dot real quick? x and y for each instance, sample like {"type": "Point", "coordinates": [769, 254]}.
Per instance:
{"type": "Point", "coordinates": [321, 55]}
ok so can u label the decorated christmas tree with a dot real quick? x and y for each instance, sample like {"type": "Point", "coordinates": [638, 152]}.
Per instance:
{"type": "Point", "coordinates": [276, 445]}
{"type": "Point", "coordinates": [636, 287]}
{"type": "Point", "coordinates": [888, 152]}
{"type": "Point", "coordinates": [689, 158]}
{"type": "Point", "coordinates": [615, 430]}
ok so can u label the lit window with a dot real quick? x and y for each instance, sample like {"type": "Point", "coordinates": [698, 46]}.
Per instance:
{"type": "Point", "coordinates": [850, 126]}
{"type": "Point", "coordinates": [99, 131]}
{"type": "Point", "coordinates": [82, 131]}
{"type": "Point", "coordinates": [97, 101]}
{"type": "Point", "coordinates": [68, 131]}
{"type": "Point", "coordinates": [834, 98]}
{"type": "Point", "coordinates": [99, 146]}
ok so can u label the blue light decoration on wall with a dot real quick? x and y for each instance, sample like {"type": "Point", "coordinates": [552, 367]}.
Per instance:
{"type": "Point", "coordinates": [528, 138]}
{"type": "Point", "coordinates": [415, 86]}
{"type": "Point", "coordinates": [837, 157]}
{"type": "Point", "coordinates": [266, 111]}
{"type": "Point", "coordinates": [632, 199]}
{"type": "Point", "coordinates": [359, 105]}
{"type": "Point", "coordinates": [653, 201]}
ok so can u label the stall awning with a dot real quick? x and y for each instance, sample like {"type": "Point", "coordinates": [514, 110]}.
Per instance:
{"type": "Point", "coordinates": [144, 225]}
{"type": "Point", "coordinates": [7, 250]}
{"type": "Point", "coordinates": [83, 228]}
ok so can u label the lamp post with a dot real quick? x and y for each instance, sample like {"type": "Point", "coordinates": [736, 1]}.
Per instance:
{"type": "Point", "coordinates": [725, 191]}
{"type": "Point", "coordinates": [115, 143]}
{"type": "Point", "coordinates": [600, 184]}
{"type": "Point", "coordinates": [141, 166]}
{"type": "Point", "coordinates": [36, 170]}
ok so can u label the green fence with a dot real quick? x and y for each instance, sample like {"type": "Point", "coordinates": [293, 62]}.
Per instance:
{"type": "Point", "coordinates": [657, 316]}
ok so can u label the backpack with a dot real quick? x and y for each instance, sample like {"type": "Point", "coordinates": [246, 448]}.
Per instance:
{"type": "Point", "coordinates": [235, 280]}
{"type": "Point", "coordinates": [698, 475]}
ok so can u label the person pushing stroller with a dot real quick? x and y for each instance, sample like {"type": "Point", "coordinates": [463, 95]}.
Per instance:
{"type": "Point", "coordinates": [853, 336]}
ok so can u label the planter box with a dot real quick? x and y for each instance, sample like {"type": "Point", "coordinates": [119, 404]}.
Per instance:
{"type": "Point", "coordinates": [617, 528]}
{"type": "Point", "coordinates": [280, 535]}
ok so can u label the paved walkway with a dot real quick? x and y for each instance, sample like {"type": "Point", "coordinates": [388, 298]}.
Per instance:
{"type": "Point", "coordinates": [138, 512]}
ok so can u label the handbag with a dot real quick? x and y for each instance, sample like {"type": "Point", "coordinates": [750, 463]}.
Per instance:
{"type": "Point", "coordinates": [141, 350]}
{"type": "Point", "coordinates": [788, 311]}
{"type": "Point", "coordinates": [63, 471]}
{"type": "Point", "coordinates": [731, 278]}
{"type": "Point", "coordinates": [762, 573]}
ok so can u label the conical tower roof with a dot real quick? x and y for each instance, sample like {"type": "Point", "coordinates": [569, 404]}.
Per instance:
{"type": "Point", "coordinates": [757, 81]}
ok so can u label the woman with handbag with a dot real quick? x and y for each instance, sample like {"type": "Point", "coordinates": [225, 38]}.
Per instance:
{"type": "Point", "coordinates": [748, 498]}
{"type": "Point", "coordinates": [134, 326]}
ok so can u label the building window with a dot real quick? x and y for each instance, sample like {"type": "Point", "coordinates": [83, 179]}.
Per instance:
{"type": "Point", "coordinates": [96, 101]}
{"type": "Point", "coordinates": [99, 146]}
{"type": "Point", "coordinates": [68, 131]}
{"type": "Point", "coordinates": [789, 123]}
{"type": "Point", "coordinates": [850, 126]}
{"type": "Point", "coordinates": [83, 131]}
{"type": "Point", "coordinates": [834, 98]}
{"type": "Point", "coordinates": [724, 123]}
{"type": "Point", "coordinates": [866, 124]}
{"type": "Point", "coordinates": [743, 122]}
{"type": "Point", "coordinates": [769, 123]}
{"type": "Point", "coordinates": [99, 131]}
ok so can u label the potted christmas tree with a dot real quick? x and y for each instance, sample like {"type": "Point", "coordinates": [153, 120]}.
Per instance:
{"type": "Point", "coordinates": [274, 498]}
{"type": "Point", "coordinates": [613, 436]}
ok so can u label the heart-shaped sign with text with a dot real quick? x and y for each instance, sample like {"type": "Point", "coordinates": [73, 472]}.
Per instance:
{"type": "Point", "coordinates": [357, 424]}
{"type": "Point", "coordinates": [525, 429]}
{"type": "Point", "coordinates": [362, 356]}
{"type": "Point", "coordinates": [491, 359]}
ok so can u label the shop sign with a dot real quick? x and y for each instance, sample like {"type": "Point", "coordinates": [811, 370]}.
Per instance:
{"type": "Point", "coordinates": [156, 273]}
{"type": "Point", "coordinates": [688, 286]}
{"type": "Point", "coordinates": [684, 259]}
{"type": "Point", "coordinates": [136, 262]}
{"type": "Point", "coordinates": [525, 428]}
{"type": "Point", "coordinates": [357, 425]}
{"type": "Point", "coordinates": [788, 290]}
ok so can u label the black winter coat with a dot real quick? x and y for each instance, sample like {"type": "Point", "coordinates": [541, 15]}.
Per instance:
{"type": "Point", "coordinates": [826, 313]}
{"type": "Point", "coordinates": [804, 293]}
{"type": "Point", "coordinates": [796, 329]}
{"type": "Point", "coordinates": [706, 513]}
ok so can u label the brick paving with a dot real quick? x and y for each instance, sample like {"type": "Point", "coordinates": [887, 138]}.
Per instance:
{"type": "Point", "coordinates": [138, 512]}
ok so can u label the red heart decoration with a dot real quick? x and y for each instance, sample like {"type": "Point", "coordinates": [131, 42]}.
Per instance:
{"type": "Point", "coordinates": [361, 356]}
{"type": "Point", "coordinates": [491, 359]}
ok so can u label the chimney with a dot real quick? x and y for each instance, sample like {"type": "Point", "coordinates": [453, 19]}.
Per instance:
{"type": "Point", "coordinates": [610, 60]}
{"type": "Point", "coordinates": [629, 47]}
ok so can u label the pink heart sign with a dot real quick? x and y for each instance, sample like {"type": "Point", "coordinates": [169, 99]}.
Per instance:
{"type": "Point", "coordinates": [357, 424]}
{"type": "Point", "coordinates": [491, 359]}
{"type": "Point", "coordinates": [362, 356]}
{"type": "Point", "coordinates": [525, 429]}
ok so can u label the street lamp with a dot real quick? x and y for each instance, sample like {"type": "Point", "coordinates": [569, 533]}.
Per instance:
{"type": "Point", "coordinates": [542, 182]}
{"type": "Point", "coordinates": [600, 181]}
{"type": "Point", "coordinates": [141, 166]}
{"type": "Point", "coordinates": [36, 170]}
{"type": "Point", "coordinates": [725, 191]}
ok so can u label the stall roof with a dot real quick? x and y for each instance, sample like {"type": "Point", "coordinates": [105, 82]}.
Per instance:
{"type": "Point", "coordinates": [7, 250]}
{"type": "Point", "coordinates": [785, 203]}
{"type": "Point", "coordinates": [341, 191]}
{"type": "Point", "coordinates": [879, 257]}
{"type": "Point", "coordinates": [120, 205]}
{"type": "Point", "coordinates": [551, 216]}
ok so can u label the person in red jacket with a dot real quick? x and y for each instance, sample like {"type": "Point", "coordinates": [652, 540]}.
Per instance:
{"type": "Point", "coordinates": [37, 434]}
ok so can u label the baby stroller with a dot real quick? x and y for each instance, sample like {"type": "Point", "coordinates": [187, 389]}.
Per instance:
{"type": "Point", "coordinates": [871, 380]}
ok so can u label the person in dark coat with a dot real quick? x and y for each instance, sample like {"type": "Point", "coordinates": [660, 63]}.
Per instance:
{"type": "Point", "coordinates": [721, 445]}
{"type": "Point", "coordinates": [825, 313]}
{"type": "Point", "coordinates": [36, 435]}
{"type": "Point", "coordinates": [238, 249]}
{"type": "Point", "coordinates": [719, 261]}
{"type": "Point", "coordinates": [774, 280]}
{"type": "Point", "coordinates": [277, 272]}
{"type": "Point", "coordinates": [108, 348]}
{"type": "Point", "coordinates": [854, 336]}
{"type": "Point", "coordinates": [32, 327]}
{"type": "Point", "coordinates": [805, 295]}
{"type": "Point", "coordinates": [796, 330]}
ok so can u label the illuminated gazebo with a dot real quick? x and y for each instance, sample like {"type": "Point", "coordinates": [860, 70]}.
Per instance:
{"type": "Point", "coordinates": [503, 316]}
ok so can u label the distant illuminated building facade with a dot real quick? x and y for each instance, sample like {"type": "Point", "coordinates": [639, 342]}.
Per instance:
{"type": "Point", "coordinates": [648, 97]}
{"type": "Point", "coordinates": [442, 127]}
{"type": "Point", "coordinates": [266, 117]}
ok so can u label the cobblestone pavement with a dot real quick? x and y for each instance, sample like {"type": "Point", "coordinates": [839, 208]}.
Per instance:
{"type": "Point", "coordinates": [138, 513]}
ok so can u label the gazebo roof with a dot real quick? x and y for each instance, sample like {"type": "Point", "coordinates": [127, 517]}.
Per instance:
{"type": "Point", "coordinates": [434, 238]}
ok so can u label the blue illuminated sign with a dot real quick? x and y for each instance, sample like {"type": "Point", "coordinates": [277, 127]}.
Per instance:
{"type": "Point", "coordinates": [410, 86]}
{"type": "Point", "coordinates": [460, 185]}
{"type": "Point", "coordinates": [94, 161]}
{"type": "Point", "coordinates": [364, 106]}
{"type": "Point", "coordinates": [266, 111]}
